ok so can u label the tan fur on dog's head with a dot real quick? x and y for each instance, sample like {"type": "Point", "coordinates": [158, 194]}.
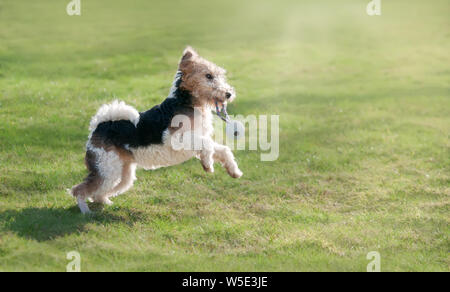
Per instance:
{"type": "Point", "coordinates": [204, 80]}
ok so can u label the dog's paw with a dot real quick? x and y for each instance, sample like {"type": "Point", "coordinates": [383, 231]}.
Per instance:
{"type": "Point", "coordinates": [236, 173]}
{"type": "Point", "coordinates": [103, 201]}
{"type": "Point", "coordinates": [107, 202]}
{"type": "Point", "coordinates": [209, 169]}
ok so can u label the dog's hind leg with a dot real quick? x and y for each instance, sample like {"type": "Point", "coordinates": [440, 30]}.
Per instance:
{"type": "Point", "coordinates": [118, 168]}
{"type": "Point", "coordinates": [224, 155]}
{"type": "Point", "coordinates": [91, 183]}
{"type": "Point", "coordinates": [126, 182]}
{"type": "Point", "coordinates": [128, 177]}
{"type": "Point", "coordinates": [110, 167]}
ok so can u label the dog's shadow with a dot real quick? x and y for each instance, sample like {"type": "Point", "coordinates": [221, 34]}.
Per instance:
{"type": "Point", "coordinates": [43, 224]}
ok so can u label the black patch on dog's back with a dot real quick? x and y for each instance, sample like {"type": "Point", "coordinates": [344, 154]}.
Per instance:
{"type": "Point", "coordinates": [117, 133]}
{"type": "Point", "coordinates": [150, 127]}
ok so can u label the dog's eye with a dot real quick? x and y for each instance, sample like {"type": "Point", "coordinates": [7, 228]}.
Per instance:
{"type": "Point", "coordinates": [209, 76]}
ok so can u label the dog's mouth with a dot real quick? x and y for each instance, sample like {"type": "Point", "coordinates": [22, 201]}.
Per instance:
{"type": "Point", "coordinates": [221, 110]}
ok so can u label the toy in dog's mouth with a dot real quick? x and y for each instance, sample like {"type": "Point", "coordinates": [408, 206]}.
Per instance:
{"type": "Point", "coordinates": [234, 129]}
{"type": "Point", "coordinates": [222, 113]}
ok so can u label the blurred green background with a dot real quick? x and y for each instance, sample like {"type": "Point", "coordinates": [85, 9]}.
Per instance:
{"type": "Point", "coordinates": [364, 105]}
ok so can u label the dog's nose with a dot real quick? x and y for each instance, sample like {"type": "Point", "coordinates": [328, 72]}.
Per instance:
{"type": "Point", "coordinates": [228, 95]}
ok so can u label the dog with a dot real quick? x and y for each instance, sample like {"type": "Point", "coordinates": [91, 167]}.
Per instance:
{"type": "Point", "coordinates": [122, 139]}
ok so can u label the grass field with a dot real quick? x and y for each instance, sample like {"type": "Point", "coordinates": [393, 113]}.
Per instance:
{"type": "Point", "coordinates": [364, 165]}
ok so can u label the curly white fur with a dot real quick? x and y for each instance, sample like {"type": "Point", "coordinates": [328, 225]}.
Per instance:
{"type": "Point", "coordinates": [115, 111]}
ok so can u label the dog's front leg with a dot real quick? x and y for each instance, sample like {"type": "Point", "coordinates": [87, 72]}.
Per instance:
{"type": "Point", "coordinates": [224, 155]}
{"type": "Point", "coordinates": [200, 146]}
{"type": "Point", "coordinates": [207, 153]}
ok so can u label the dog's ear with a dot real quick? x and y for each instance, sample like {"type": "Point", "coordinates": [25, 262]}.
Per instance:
{"type": "Point", "coordinates": [189, 52]}
{"type": "Point", "coordinates": [188, 55]}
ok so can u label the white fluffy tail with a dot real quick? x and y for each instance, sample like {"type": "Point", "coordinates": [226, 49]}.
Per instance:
{"type": "Point", "coordinates": [115, 111]}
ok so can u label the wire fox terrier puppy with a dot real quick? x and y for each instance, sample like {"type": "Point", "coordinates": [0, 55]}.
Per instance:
{"type": "Point", "coordinates": [122, 139]}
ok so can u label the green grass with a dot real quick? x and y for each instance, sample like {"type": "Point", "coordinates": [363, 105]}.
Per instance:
{"type": "Point", "coordinates": [364, 105]}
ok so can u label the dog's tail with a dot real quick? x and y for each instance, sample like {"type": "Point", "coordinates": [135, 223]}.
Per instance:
{"type": "Point", "coordinates": [115, 111]}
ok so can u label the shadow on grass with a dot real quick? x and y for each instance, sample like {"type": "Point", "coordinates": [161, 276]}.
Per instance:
{"type": "Point", "coordinates": [43, 224]}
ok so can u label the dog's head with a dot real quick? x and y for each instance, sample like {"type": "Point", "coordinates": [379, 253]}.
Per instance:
{"type": "Point", "coordinates": [205, 81]}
